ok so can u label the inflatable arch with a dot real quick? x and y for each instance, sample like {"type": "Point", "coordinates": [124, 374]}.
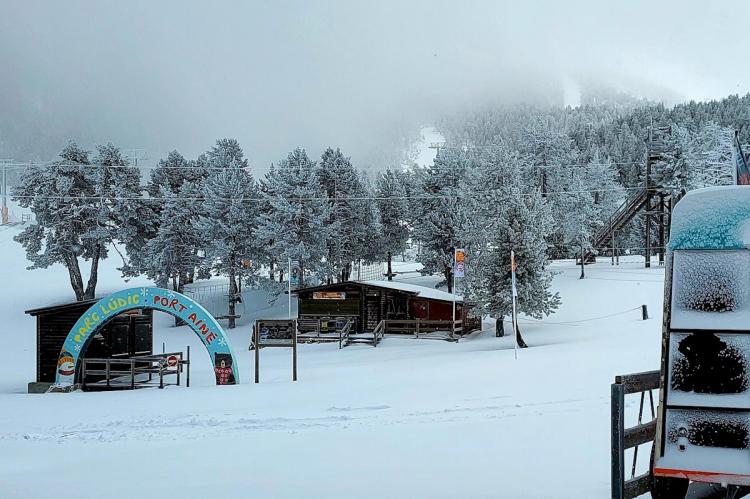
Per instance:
{"type": "Point", "coordinates": [204, 324]}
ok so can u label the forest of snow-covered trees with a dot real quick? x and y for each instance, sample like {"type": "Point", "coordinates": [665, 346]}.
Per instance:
{"type": "Point", "coordinates": [537, 180]}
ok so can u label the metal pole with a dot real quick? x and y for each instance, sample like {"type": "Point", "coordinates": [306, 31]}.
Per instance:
{"type": "Point", "coordinates": [513, 296]}
{"type": "Point", "coordinates": [5, 195]}
{"type": "Point", "coordinates": [453, 288]}
{"type": "Point", "coordinates": [188, 367]}
{"type": "Point", "coordinates": [289, 287]}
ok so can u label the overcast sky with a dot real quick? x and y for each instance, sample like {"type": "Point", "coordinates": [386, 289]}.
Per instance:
{"type": "Point", "coordinates": [279, 74]}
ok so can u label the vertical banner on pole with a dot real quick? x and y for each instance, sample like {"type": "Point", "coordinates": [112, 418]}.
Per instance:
{"type": "Point", "coordinates": [459, 270]}
{"type": "Point", "coordinates": [514, 293]}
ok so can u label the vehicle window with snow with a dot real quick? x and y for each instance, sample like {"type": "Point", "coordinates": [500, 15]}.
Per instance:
{"type": "Point", "coordinates": [710, 290]}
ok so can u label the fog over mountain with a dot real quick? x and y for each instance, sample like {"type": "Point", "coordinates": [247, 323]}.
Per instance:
{"type": "Point", "coordinates": [359, 75]}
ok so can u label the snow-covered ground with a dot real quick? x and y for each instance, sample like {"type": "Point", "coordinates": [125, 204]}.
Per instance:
{"type": "Point", "coordinates": [410, 418]}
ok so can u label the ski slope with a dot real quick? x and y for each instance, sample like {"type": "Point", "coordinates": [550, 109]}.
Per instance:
{"type": "Point", "coordinates": [410, 418]}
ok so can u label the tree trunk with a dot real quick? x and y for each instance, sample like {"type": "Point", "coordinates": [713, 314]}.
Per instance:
{"type": "Point", "coordinates": [76, 281]}
{"type": "Point", "coordinates": [583, 262]}
{"type": "Point", "coordinates": [271, 271]}
{"type": "Point", "coordinates": [174, 283]}
{"type": "Point", "coordinates": [94, 274]}
{"type": "Point", "coordinates": [500, 327]}
{"type": "Point", "coordinates": [448, 273]}
{"type": "Point", "coordinates": [519, 338]}
{"type": "Point", "coordinates": [232, 293]}
{"type": "Point", "coordinates": [390, 271]}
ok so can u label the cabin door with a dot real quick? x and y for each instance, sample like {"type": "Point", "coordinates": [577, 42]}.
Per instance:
{"type": "Point", "coordinates": [372, 310]}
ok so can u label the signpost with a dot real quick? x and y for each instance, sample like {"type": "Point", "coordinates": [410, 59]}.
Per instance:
{"type": "Point", "coordinates": [275, 333]}
{"type": "Point", "coordinates": [459, 270]}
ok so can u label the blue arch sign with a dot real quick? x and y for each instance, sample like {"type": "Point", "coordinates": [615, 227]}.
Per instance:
{"type": "Point", "coordinates": [193, 314]}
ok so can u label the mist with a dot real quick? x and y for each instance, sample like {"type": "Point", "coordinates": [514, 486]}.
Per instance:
{"type": "Point", "coordinates": [362, 76]}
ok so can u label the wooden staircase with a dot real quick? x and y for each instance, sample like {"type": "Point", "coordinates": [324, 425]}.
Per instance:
{"type": "Point", "coordinates": [347, 338]}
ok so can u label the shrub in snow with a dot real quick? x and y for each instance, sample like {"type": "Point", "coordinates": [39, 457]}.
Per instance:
{"type": "Point", "coordinates": [709, 365]}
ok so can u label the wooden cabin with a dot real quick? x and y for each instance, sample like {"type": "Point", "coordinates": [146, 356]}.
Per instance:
{"type": "Point", "coordinates": [366, 303]}
{"type": "Point", "coordinates": [126, 335]}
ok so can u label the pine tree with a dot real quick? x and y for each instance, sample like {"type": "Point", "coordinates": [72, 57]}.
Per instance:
{"type": "Point", "coordinates": [64, 198]}
{"type": "Point", "coordinates": [295, 227]}
{"type": "Point", "coordinates": [125, 216]}
{"type": "Point", "coordinates": [229, 219]}
{"type": "Point", "coordinates": [352, 221]}
{"type": "Point", "coordinates": [393, 213]}
{"type": "Point", "coordinates": [438, 213]}
{"type": "Point", "coordinates": [173, 251]}
{"type": "Point", "coordinates": [507, 213]}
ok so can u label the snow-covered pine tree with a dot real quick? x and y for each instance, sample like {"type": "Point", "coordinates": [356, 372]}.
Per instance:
{"type": "Point", "coordinates": [483, 192]}
{"type": "Point", "coordinates": [173, 251]}
{"type": "Point", "coordinates": [166, 182]}
{"type": "Point", "coordinates": [521, 222]}
{"type": "Point", "coordinates": [125, 216]}
{"type": "Point", "coordinates": [352, 220]}
{"type": "Point", "coordinates": [589, 197]}
{"type": "Point", "coordinates": [551, 151]}
{"type": "Point", "coordinates": [229, 219]}
{"type": "Point", "coordinates": [438, 212]}
{"type": "Point", "coordinates": [175, 170]}
{"type": "Point", "coordinates": [63, 196]}
{"type": "Point", "coordinates": [709, 156]}
{"type": "Point", "coordinates": [295, 226]}
{"type": "Point", "coordinates": [393, 213]}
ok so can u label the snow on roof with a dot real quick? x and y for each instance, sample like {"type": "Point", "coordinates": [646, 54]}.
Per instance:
{"type": "Point", "coordinates": [421, 291]}
{"type": "Point", "coordinates": [712, 218]}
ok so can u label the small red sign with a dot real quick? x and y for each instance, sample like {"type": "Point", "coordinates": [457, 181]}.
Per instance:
{"type": "Point", "coordinates": [172, 361]}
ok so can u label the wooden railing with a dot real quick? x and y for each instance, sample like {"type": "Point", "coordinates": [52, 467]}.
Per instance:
{"type": "Point", "coordinates": [378, 333]}
{"type": "Point", "coordinates": [628, 438]}
{"type": "Point", "coordinates": [344, 334]}
{"type": "Point", "coordinates": [124, 372]}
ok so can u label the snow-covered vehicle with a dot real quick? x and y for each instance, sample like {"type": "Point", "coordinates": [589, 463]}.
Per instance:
{"type": "Point", "coordinates": [703, 426]}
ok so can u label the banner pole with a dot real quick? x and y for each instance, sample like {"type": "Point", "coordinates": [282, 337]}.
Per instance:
{"type": "Point", "coordinates": [513, 297]}
{"type": "Point", "coordinates": [289, 286]}
{"type": "Point", "coordinates": [453, 288]}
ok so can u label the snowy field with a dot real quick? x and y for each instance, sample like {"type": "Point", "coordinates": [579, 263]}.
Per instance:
{"type": "Point", "coordinates": [410, 418]}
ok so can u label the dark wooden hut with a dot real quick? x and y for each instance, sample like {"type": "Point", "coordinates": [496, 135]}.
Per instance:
{"type": "Point", "coordinates": [367, 303]}
{"type": "Point", "coordinates": [127, 334]}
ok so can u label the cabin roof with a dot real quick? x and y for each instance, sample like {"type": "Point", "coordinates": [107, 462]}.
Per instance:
{"type": "Point", "coordinates": [413, 289]}
{"type": "Point", "coordinates": [62, 307]}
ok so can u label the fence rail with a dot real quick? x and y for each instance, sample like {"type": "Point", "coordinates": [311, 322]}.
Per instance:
{"type": "Point", "coordinates": [630, 438]}
{"type": "Point", "coordinates": [134, 372]}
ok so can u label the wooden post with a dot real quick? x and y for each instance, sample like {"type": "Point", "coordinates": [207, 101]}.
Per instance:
{"type": "Point", "coordinates": [107, 371]}
{"type": "Point", "coordinates": [644, 312]}
{"type": "Point", "coordinates": [179, 368]}
{"type": "Point", "coordinates": [132, 373]}
{"type": "Point", "coordinates": [257, 350]}
{"type": "Point", "coordinates": [187, 381]}
{"type": "Point", "coordinates": [294, 353]}
{"type": "Point", "coordinates": [161, 375]}
{"type": "Point", "coordinates": [662, 229]}
{"type": "Point", "coordinates": [618, 443]}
